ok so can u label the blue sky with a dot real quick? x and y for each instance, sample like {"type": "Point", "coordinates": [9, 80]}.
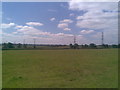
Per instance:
{"type": "Point", "coordinates": [58, 22]}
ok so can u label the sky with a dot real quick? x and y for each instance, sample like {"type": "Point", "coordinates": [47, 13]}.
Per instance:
{"type": "Point", "coordinates": [59, 22]}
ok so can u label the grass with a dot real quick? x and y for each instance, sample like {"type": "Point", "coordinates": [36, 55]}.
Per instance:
{"type": "Point", "coordinates": [0, 69]}
{"type": "Point", "coordinates": [93, 68]}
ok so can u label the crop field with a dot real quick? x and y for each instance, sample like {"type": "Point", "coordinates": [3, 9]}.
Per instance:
{"type": "Point", "coordinates": [83, 68]}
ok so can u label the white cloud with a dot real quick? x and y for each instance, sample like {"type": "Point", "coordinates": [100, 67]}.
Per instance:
{"type": "Point", "coordinates": [29, 33]}
{"type": "Point", "coordinates": [63, 34]}
{"type": "Point", "coordinates": [67, 29]}
{"type": "Point", "coordinates": [28, 30]}
{"type": "Point", "coordinates": [85, 6]}
{"type": "Point", "coordinates": [18, 26]}
{"type": "Point", "coordinates": [42, 37]}
{"type": "Point", "coordinates": [86, 31]}
{"type": "Point", "coordinates": [4, 25]}
{"type": "Point", "coordinates": [34, 23]}
{"type": "Point", "coordinates": [66, 21]}
{"type": "Point", "coordinates": [97, 20]}
{"type": "Point", "coordinates": [62, 25]}
{"type": "Point", "coordinates": [59, 34]}
{"type": "Point", "coordinates": [71, 14]}
{"type": "Point", "coordinates": [52, 19]}
{"type": "Point", "coordinates": [98, 16]}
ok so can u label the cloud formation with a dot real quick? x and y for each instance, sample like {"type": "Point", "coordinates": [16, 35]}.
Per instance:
{"type": "Point", "coordinates": [71, 14]}
{"type": "Point", "coordinates": [102, 17]}
{"type": "Point", "coordinates": [86, 31]}
{"type": "Point", "coordinates": [66, 21]}
{"type": "Point", "coordinates": [7, 25]}
{"type": "Point", "coordinates": [64, 24]}
{"type": "Point", "coordinates": [34, 23]}
{"type": "Point", "coordinates": [86, 6]}
{"type": "Point", "coordinates": [32, 31]}
{"type": "Point", "coordinates": [90, 19]}
{"type": "Point", "coordinates": [52, 19]}
{"type": "Point", "coordinates": [67, 29]}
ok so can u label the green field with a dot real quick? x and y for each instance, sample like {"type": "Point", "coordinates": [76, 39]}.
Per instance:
{"type": "Point", "coordinates": [86, 68]}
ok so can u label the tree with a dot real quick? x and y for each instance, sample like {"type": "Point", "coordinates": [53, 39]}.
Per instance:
{"type": "Point", "coordinates": [4, 45]}
{"type": "Point", "coordinates": [105, 45]}
{"type": "Point", "coordinates": [10, 45]}
{"type": "Point", "coordinates": [92, 45]}
{"type": "Point", "coordinates": [82, 46]}
{"type": "Point", "coordinates": [76, 46]}
{"type": "Point", "coordinates": [19, 45]}
{"type": "Point", "coordinates": [118, 45]}
{"type": "Point", "coordinates": [71, 46]}
{"type": "Point", "coordinates": [86, 46]}
{"type": "Point", "coordinates": [114, 46]}
{"type": "Point", "coordinates": [24, 45]}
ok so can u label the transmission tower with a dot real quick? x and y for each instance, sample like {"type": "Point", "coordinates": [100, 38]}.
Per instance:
{"type": "Point", "coordinates": [24, 42]}
{"type": "Point", "coordinates": [24, 46]}
{"type": "Point", "coordinates": [74, 39]}
{"type": "Point", "coordinates": [102, 39]}
{"type": "Point", "coordinates": [34, 42]}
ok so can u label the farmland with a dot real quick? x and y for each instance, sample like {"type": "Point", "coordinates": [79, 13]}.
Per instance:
{"type": "Point", "coordinates": [86, 68]}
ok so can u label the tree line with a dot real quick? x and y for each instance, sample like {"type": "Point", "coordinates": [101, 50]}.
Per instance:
{"type": "Point", "coordinates": [92, 45]}
{"type": "Point", "coordinates": [10, 45]}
